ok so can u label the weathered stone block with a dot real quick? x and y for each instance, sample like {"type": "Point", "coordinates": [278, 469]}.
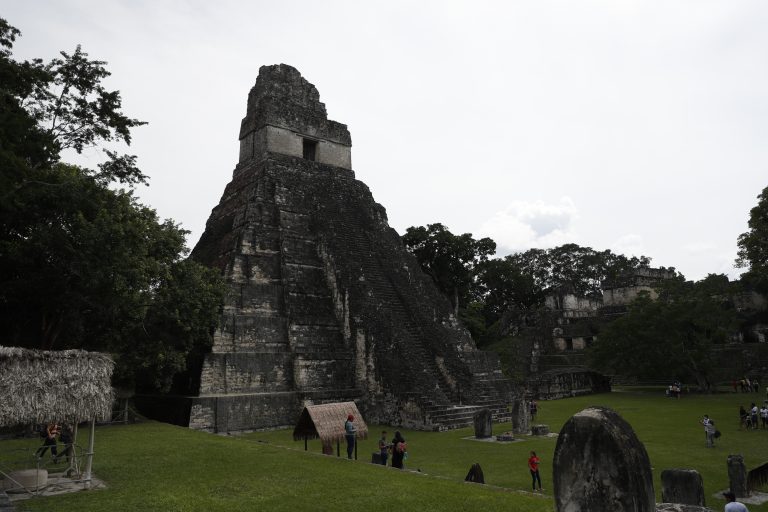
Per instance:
{"type": "Point", "coordinates": [737, 475]}
{"type": "Point", "coordinates": [521, 416]}
{"type": "Point", "coordinates": [682, 486]}
{"type": "Point", "coordinates": [483, 421]}
{"type": "Point", "coordinates": [540, 430]}
{"type": "Point", "coordinates": [601, 466]}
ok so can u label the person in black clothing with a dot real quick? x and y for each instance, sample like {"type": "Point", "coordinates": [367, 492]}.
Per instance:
{"type": "Point", "coordinates": [398, 450]}
{"type": "Point", "coordinates": [51, 431]}
{"type": "Point", "coordinates": [67, 438]}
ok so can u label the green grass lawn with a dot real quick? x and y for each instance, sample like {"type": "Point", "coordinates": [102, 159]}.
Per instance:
{"type": "Point", "coordinates": [153, 466]}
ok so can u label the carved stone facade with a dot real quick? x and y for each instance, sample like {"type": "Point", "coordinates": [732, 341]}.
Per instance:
{"type": "Point", "coordinates": [324, 303]}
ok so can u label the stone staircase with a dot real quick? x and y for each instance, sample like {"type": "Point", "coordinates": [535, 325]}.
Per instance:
{"type": "Point", "coordinates": [445, 416]}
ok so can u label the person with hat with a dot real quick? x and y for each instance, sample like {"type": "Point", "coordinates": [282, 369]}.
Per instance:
{"type": "Point", "coordinates": [732, 505]}
{"type": "Point", "coordinates": [350, 432]}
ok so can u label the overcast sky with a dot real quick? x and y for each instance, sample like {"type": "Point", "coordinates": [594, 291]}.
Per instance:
{"type": "Point", "coordinates": [640, 127]}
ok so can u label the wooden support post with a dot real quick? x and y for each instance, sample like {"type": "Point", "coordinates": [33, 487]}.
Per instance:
{"type": "Point", "coordinates": [89, 454]}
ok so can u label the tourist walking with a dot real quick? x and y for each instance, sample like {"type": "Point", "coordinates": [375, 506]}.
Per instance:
{"type": "Point", "coordinates": [764, 415]}
{"type": "Point", "coordinates": [350, 432]}
{"type": "Point", "coordinates": [533, 467]}
{"type": "Point", "coordinates": [732, 505]}
{"type": "Point", "coordinates": [709, 430]}
{"type": "Point", "coordinates": [399, 450]}
{"type": "Point", "coordinates": [534, 409]}
{"type": "Point", "coordinates": [383, 448]}
{"type": "Point", "coordinates": [753, 414]}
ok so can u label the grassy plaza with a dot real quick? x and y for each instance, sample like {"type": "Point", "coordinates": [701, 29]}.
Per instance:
{"type": "Point", "coordinates": [153, 466]}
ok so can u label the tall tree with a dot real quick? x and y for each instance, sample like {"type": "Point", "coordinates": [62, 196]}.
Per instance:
{"type": "Point", "coordinates": [449, 259]}
{"type": "Point", "coordinates": [503, 283]}
{"type": "Point", "coordinates": [753, 244]}
{"type": "Point", "coordinates": [671, 337]}
{"type": "Point", "coordinates": [84, 265]}
{"type": "Point", "coordinates": [583, 269]}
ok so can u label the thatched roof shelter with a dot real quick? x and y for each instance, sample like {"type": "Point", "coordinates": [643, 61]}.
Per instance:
{"type": "Point", "coordinates": [326, 421]}
{"type": "Point", "coordinates": [44, 386]}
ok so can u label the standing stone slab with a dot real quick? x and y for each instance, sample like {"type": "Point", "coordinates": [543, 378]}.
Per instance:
{"type": "Point", "coordinates": [737, 475]}
{"type": "Point", "coordinates": [601, 466]}
{"type": "Point", "coordinates": [521, 416]}
{"type": "Point", "coordinates": [682, 486]}
{"type": "Point", "coordinates": [483, 424]}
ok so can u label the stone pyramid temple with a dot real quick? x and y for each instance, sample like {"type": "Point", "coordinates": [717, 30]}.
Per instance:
{"type": "Point", "coordinates": [324, 303]}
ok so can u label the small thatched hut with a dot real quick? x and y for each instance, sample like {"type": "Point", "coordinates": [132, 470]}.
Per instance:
{"type": "Point", "coordinates": [326, 422]}
{"type": "Point", "coordinates": [53, 386]}
{"type": "Point", "coordinates": [43, 386]}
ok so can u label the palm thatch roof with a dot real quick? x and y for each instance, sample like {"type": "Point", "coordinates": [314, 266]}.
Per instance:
{"type": "Point", "coordinates": [42, 386]}
{"type": "Point", "coordinates": [326, 421]}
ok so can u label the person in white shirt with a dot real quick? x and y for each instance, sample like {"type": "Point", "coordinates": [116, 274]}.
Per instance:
{"type": "Point", "coordinates": [709, 430]}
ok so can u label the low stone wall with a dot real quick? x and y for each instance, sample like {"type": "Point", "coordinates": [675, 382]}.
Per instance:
{"type": "Point", "coordinates": [568, 382]}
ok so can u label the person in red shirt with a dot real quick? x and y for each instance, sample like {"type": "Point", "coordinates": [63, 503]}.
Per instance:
{"type": "Point", "coordinates": [533, 465]}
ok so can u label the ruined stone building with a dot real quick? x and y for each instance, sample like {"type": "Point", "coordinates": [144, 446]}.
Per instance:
{"type": "Point", "coordinates": [573, 323]}
{"type": "Point", "coordinates": [620, 292]}
{"type": "Point", "coordinates": [324, 303]}
{"type": "Point", "coordinates": [575, 319]}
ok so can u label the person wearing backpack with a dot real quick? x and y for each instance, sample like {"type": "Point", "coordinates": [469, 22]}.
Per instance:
{"type": "Point", "coordinates": [398, 450]}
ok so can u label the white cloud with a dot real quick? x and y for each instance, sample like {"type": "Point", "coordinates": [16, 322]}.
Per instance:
{"type": "Point", "coordinates": [699, 247]}
{"type": "Point", "coordinates": [525, 224]}
{"type": "Point", "coordinates": [629, 245]}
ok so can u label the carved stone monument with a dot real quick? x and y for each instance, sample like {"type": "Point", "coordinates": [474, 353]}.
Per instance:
{"type": "Point", "coordinates": [521, 416]}
{"type": "Point", "coordinates": [483, 424]}
{"type": "Point", "coordinates": [682, 486]}
{"type": "Point", "coordinates": [601, 466]}
{"type": "Point", "coordinates": [324, 302]}
{"type": "Point", "coordinates": [737, 475]}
